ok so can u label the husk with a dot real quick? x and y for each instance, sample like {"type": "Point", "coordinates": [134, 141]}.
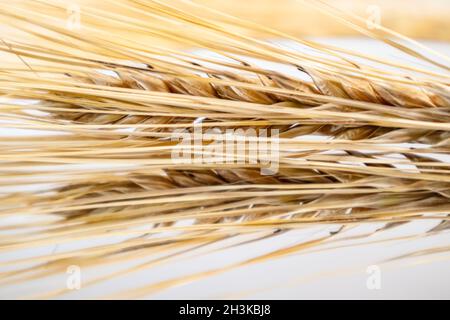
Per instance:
{"type": "Point", "coordinates": [380, 157]}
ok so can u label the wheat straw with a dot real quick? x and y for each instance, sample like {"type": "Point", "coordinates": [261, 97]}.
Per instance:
{"type": "Point", "coordinates": [383, 133]}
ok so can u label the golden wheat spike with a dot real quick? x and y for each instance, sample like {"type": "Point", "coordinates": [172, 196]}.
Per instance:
{"type": "Point", "coordinates": [95, 168]}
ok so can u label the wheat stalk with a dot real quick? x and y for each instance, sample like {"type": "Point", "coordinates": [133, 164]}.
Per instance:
{"type": "Point", "coordinates": [383, 130]}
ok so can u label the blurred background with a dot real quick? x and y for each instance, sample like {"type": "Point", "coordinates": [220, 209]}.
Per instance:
{"type": "Point", "coordinates": [415, 18]}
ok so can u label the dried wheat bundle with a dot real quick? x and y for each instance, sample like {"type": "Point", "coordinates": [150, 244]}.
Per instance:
{"type": "Point", "coordinates": [97, 170]}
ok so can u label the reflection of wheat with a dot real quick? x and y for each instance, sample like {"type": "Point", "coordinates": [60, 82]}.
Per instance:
{"type": "Point", "coordinates": [379, 156]}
